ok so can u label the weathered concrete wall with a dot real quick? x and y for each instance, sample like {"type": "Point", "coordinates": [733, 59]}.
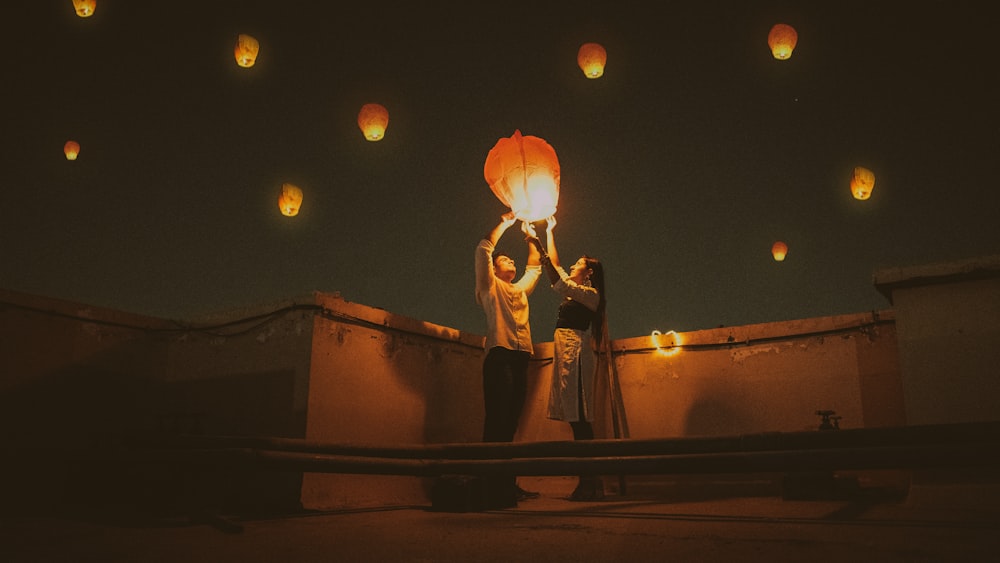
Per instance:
{"type": "Point", "coordinates": [76, 382]}
{"type": "Point", "coordinates": [73, 378]}
{"type": "Point", "coordinates": [246, 372]}
{"type": "Point", "coordinates": [382, 379]}
{"type": "Point", "coordinates": [760, 378]}
{"type": "Point", "coordinates": [328, 370]}
{"type": "Point", "coordinates": [949, 338]}
{"type": "Point", "coordinates": [757, 378]}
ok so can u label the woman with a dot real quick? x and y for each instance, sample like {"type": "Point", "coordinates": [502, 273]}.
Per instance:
{"type": "Point", "coordinates": [579, 325]}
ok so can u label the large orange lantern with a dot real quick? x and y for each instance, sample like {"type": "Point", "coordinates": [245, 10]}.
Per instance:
{"type": "Point", "coordinates": [862, 183]}
{"type": "Point", "coordinates": [290, 200]}
{"type": "Point", "coordinates": [779, 250]}
{"type": "Point", "coordinates": [373, 120]}
{"type": "Point", "coordinates": [71, 149]}
{"type": "Point", "coordinates": [592, 57]}
{"type": "Point", "coordinates": [246, 50]}
{"type": "Point", "coordinates": [85, 8]}
{"type": "Point", "coordinates": [782, 40]}
{"type": "Point", "coordinates": [523, 172]}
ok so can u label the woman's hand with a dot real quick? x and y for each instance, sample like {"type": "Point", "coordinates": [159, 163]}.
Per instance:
{"type": "Point", "coordinates": [550, 223]}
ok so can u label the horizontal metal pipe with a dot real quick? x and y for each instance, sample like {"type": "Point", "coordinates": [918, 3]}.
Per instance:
{"type": "Point", "coordinates": [925, 435]}
{"type": "Point", "coordinates": [962, 455]}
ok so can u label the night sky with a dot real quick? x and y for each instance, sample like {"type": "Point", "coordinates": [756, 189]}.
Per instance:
{"type": "Point", "coordinates": [694, 152]}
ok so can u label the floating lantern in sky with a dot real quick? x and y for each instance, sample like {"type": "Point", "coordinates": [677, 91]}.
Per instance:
{"type": "Point", "coordinates": [246, 50]}
{"type": "Point", "coordinates": [85, 8]}
{"type": "Point", "coordinates": [862, 183]}
{"type": "Point", "coordinates": [779, 250]}
{"type": "Point", "coordinates": [523, 172]}
{"type": "Point", "coordinates": [592, 57]}
{"type": "Point", "coordinates": [782, 40]}
{"type": "Point", "coordinates": [373, 120]}
{"type": "Point", "coordinates": [71, 149]}
{"type": "Point", "coordinates": [290, 200]}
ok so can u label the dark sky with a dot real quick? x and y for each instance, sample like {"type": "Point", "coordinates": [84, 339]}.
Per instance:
{"type": "Point", "coordinates": [680, 166]}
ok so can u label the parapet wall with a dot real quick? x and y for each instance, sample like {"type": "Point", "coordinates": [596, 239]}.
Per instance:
{"type": "Point", "coordinates": [324, 369]}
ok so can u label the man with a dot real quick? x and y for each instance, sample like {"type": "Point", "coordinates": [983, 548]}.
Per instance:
{"type": "Point", "coordinates": [508, 345]}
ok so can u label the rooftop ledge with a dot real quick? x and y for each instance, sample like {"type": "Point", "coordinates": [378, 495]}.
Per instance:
{"type": "Point", "coordinates": [889, 279]}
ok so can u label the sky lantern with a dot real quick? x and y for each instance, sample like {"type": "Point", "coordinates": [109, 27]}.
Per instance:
{"type": "Point", "coordinates": [290, 200]}
{"type": "Point", "coordinates": [246, 50]}
{"type": "Point", "coordinates": [779, 250]}
{"type": "Point", "coordinates": [782, 40]}
{"type": "Point", "coordinates": [373, 120]}
{"type": "Point", "coordinates": [592, 57]}
{"type": "Point", "coordinates": [523, 172]}
{"type": "Point", "coordinates": [71, 149]}
{"type": "Point", "coordinates": [85, 8]}
{"type": "Point", "coordinates": [862, 183]}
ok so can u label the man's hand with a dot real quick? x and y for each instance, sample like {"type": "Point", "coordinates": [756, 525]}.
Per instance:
{"type": "Point", "coordinates": [507, 219]}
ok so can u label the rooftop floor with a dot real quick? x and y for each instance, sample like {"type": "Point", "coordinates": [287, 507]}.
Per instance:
{"type": "Point", "coordinates": [939, 523]}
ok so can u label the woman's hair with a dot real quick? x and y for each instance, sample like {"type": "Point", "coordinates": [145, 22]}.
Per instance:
{"type": "Point", "coordinates": [597, 282]}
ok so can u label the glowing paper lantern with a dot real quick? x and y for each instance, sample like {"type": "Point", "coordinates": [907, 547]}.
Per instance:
{"type": "Point", "coordinates": [290, 200]}
{"type": "Point", "coordinates": [71, 149]}
{"type": "Point", "coordinates": [779, 250]}
{"type": "Point", "coordinates": [862, 183]}
{"type": "Point", "coordinates": [782, 40]}
{"type": "Point", "coordinates": [673, 345]}
{"type": "Point", "coordinates": [85, 8]}
{"type": "Point", "coordinates": [246, 50]}
{"type": "Point", "coordinates": [592, 57]}
{"type": "Point", "coordinates": [373, 120]}
{"type": "Point", "coordinates": [523, 172]}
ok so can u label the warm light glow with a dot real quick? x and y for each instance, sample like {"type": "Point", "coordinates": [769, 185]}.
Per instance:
{"type": "Point", "coordinates": [779, 250]}
{"type": "Point", "coordinates": [85, 8]}
{"type": "Point", "coordinates": [666, 344]}
{"type": "Point", "coordinates": [782, 40]}
{"type": "Point", "coordinates": [290, 200]}
{"type": "Point", "coordinates": [373, 120]}
{"type": "Point", "coordinates": [592, 57]}
{"type": "Point", "coordinates": [523, 172]}
{"type": "Point", "coordinates": [862, 183]}
{"type": "Point", "coordinates": [246, 50]}
{"type": "Point", "coordinates": [71, 149]}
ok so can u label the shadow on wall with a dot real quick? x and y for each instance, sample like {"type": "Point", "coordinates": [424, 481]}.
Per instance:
{"type": "Point", "coordinates": [55, 424]}
{"type": "Point", "coordinates": [711, 417]}
{"type": "Point", "coordinates": [66, 431]}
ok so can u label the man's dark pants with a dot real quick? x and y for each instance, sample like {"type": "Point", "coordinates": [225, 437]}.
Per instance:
{"type": "Point", "coordinates": [505, 385]}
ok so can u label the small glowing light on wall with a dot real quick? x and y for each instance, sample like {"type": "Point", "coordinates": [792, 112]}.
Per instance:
{"type": "Point", "coordinates": [290, 200]}
{"type": "Point", "coordinates": [71, 149]}
{"type": "Point", "coordinates": [523, 172]}
{"type": "Point", "coordinates": [373, 120]}
{"type": "Point", "coordinates": [85, 8]}
{"type": "Point", "coordinates": [862, 183]}
{"type": "Point", "coordinates": [779, 250]}
{"type": "Point", "coordinates": [592, 57]}
{"type": "Point", "coordinates": [246, 50]}
{"type": "Point", "coordinates": [782, 40]}
{"type": "Point", "coordinates": [668, 348]}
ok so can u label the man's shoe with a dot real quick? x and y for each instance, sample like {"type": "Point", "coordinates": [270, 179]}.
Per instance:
{"type": "Point", "coordinates": [525, 495]}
